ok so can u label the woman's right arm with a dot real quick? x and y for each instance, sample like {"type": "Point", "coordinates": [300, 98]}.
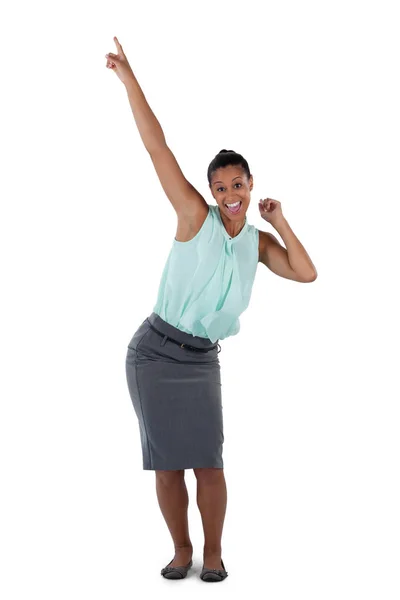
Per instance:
{"type": "Point", "coordinates": [185, 199]}
{"type": "Point", "coordinates": [147, 123]}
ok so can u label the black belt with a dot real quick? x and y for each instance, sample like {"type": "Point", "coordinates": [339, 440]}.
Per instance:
{"type": "Point", "coordinates": [187, 346]}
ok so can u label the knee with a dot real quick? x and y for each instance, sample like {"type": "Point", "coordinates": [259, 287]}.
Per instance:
{"type": "Point", "coordinates": [209, 475]}
{"type": "Point", "coordinates": [169, 477]}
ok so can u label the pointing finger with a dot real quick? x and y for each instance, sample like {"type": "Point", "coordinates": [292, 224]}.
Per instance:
{"type": "Point", "coordinates": [119, 47]}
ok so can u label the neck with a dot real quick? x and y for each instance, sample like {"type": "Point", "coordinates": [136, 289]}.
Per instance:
{"type": "Point", "coordinates": [233, 228]}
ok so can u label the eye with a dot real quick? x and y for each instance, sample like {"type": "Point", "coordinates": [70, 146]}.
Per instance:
{"type": "Point", "coordinates": [220, 188]}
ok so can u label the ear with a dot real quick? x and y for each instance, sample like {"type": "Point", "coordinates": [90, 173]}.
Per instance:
{"type": "Point", "coordinates": [251, 182]}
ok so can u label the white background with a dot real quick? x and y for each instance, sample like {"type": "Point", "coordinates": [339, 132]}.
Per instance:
{"type": "Point", "coordinates": [308, 93]}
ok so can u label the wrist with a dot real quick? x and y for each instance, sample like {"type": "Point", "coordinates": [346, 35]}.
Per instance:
{"type": "Point", "coordinates": [281, 223]}
{"type": "Point", "coordinates": [130, 81]}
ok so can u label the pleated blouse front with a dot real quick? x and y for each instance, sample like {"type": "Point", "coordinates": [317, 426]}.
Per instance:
{"type": "Point", "coordinates": [207, 282]}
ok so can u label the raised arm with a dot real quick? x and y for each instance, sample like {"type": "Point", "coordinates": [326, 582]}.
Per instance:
{"type": "Point", "coordinates": [185, 199]}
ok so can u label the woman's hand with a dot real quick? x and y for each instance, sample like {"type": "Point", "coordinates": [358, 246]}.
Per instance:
{"type": "Point", "coordinates": [119, 63]}
{"type": "Point", "coordinates": [270, 211]}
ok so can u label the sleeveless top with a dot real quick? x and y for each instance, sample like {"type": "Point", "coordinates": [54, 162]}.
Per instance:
{"type": "Point", "coordinates": [207, 282]}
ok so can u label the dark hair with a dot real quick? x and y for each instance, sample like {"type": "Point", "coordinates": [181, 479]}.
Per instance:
{"type": "Point", "coordinates": [225, 158]}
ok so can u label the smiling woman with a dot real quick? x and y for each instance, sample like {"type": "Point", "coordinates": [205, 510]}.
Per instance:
{"type": "Point", "coordinates": [172, 364]}
{"type": "Point", "coordinates": [230, 183]}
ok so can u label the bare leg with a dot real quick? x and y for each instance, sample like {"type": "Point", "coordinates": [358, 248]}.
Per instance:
{"type": "Point", "coordinates": [211, 500]}
{"type": "Point", "coordinates": [173, 499]}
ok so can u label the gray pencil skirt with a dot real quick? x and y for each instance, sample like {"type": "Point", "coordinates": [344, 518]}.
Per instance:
{"type": "Point", "coordinates": [176, 394]}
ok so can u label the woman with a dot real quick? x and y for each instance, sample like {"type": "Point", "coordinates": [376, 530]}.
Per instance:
{"type": "Point", "coordinates": [172, 364]}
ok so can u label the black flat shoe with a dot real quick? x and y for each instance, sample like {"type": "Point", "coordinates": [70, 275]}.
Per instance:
{"type": "Point", "coordinates": [176, 572]}
{"type": "Point", "coordinates": [214, 574]}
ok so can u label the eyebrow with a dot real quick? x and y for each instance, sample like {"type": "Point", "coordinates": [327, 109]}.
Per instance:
{"type": "Point", "coordinates": [237, 177]}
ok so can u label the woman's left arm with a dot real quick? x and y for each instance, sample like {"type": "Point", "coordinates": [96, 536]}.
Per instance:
{"type": "Point", "coordinates": [291, 262]}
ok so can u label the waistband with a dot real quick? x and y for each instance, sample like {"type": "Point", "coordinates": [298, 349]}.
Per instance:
{"type": "Point", "coordinates": [184, 339]}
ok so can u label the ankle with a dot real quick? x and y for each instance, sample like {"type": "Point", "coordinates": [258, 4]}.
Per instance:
{"type": "Point", "coordinates": [211, 552]}
{"type": "Point", "coordinates": [185, 546]}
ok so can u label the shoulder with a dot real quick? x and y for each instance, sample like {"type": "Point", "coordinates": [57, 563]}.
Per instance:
{"type": "Point", "coordinates": [190, 226]}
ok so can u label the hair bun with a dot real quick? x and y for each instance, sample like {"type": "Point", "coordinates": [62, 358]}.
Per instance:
{"type": "Point", "coordinates": [227, 158]}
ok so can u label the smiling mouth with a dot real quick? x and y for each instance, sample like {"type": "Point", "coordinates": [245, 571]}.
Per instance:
{"type": "Point", "coordinates": [235, 209]}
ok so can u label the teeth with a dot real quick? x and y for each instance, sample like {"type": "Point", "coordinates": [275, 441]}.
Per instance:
{"type": "Point", "coordinates": [233, 205]}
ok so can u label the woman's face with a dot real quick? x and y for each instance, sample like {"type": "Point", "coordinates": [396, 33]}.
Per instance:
{"type": "Point", "coordinates": [230, 185]}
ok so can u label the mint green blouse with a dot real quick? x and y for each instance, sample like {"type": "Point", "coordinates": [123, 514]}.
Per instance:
{"type": "Point", "coordinates": [207, 282]}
